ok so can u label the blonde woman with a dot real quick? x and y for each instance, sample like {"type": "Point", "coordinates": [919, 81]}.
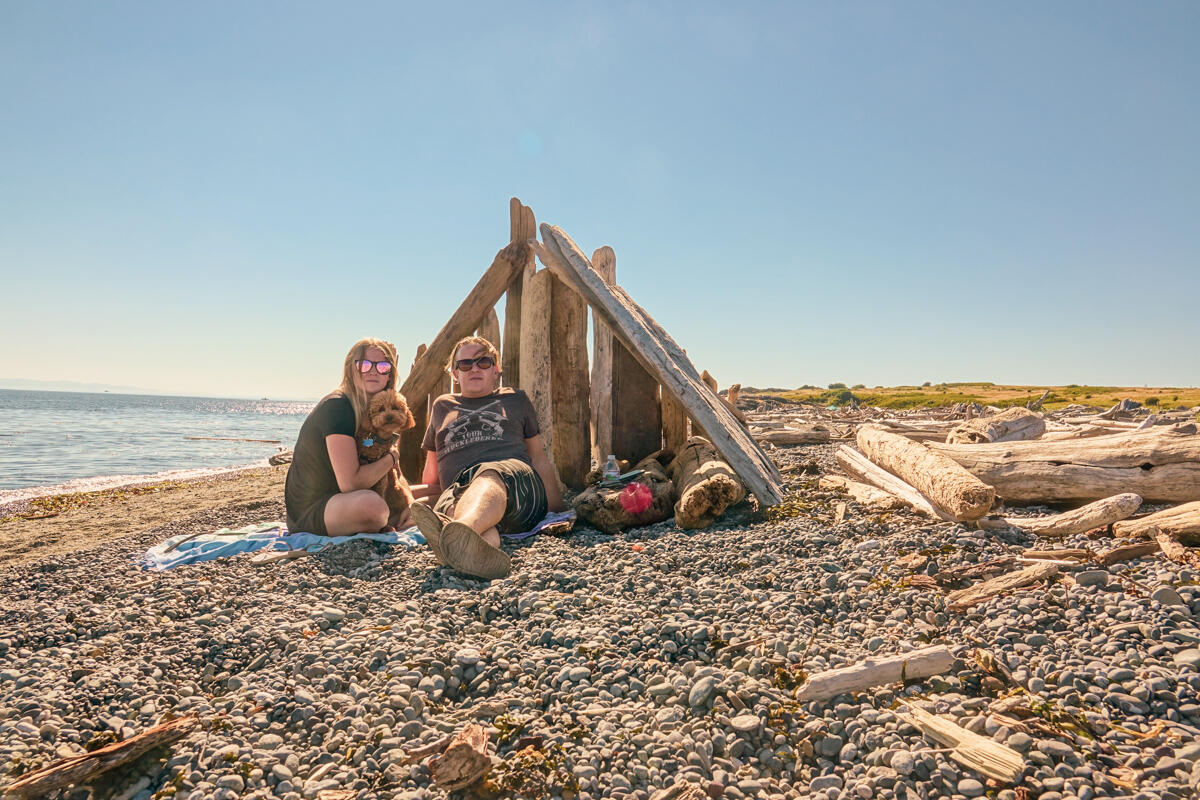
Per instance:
{"type": "Point", "coordinates": [327, 491]}
{"type": "Point", "coordinates": [485, 464]}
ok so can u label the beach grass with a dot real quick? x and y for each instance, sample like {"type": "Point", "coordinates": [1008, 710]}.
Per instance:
{"type": "Point", "coordinates": [937, 395]}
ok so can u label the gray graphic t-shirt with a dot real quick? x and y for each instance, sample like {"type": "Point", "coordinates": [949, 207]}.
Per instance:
{"type": "Point", "coordinates": [465, 431]}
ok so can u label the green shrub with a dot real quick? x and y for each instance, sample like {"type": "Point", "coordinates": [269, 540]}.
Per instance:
{"type": "Point", "coordinates": [837, 386]}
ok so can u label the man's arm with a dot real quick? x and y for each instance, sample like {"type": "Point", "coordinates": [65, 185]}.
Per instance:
{"type": "Point", "coordinates": [432, 486]}
{"type": "Point", "coordinates": [545, 471]}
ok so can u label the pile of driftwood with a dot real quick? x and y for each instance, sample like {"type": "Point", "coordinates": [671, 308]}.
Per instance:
{"type": "Point", "coordinates": [967, 464]}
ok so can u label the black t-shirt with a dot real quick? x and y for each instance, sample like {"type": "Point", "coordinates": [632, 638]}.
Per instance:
{"type": "Point", "coordinates": [465, 431]}
{"type": "Point", "coordinates": [310, 477]}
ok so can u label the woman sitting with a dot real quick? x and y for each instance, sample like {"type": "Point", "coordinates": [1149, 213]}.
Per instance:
{"type": "Point", "coordinates": [485, 463]}
{"type": "Point", "coordinates": [327, 491]}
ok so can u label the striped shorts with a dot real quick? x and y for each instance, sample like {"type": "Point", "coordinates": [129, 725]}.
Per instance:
{"type": "Point", "coordinates": [526, 505]}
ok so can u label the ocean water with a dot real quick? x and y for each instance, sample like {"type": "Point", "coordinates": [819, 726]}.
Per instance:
{"type": "Point", "coordinates": [75, 441]}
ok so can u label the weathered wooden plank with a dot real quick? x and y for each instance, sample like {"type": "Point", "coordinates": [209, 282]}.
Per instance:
{"type": "Point", "coordinates": [674, 421]}
{"type": "Point", "coordinates": [489, 328]}
{"type": "Point", "coordinates": [412, 457]}
{"type": "Point", "coordinates": [535, 353]}
{"type": "Point", "coordinates": [664, 359]}
{"type": "Point", "coordinates": [604, 261]}
{"type": "Point", "coordinates": [570, 397]}
{"type": "Point", "coordinates": [521, 228]}
{"type": "Point", "coordinates": [431, 365]}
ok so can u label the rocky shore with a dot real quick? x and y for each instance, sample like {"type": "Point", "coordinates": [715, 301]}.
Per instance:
{"type": "Point", "coordinates": [604, 666]}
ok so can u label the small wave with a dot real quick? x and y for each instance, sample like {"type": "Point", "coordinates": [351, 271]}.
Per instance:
{"type": "Point", "coordinates": [101, 482]}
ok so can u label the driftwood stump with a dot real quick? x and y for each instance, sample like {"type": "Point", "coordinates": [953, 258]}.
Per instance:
{"type": "Point", "coordinates": [1010, 425]}
{"type": "Point", "coordinates": [465, 760]}
{"type": "Point", "coordinates": [706, 484]}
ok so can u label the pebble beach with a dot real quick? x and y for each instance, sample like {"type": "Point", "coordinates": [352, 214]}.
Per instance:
{"type": "Point", "coordinates": [604, 666]}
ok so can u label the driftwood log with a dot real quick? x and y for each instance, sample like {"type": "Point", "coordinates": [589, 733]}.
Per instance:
{"type": "Point", "coordinates": [918, 664]}
{"type": "Point", "coordinates": [965, 598]}
{"type": "Point", "coordinates": [603, 507]}
{"type": "Point", "coordinates": [535, 354]}
{"type": "Point", "coordinates": [973, 751]}
{"type": "Point", "coordinates": [1010, 425]}
{"type": "Point", "coordinates": [1127, 552]}
{"type": "Point", "coordinates": [1176, 551]}
{"type": "Point", "coordinates": [664, 358]}
{"type": "Point", "coordinates": [86, 767]}
{"type": "Point", "coordinates": [522, 227]}
{"type": "Point", "coordinates": [464, 761]}
{"type": "Point", "coordinates": [862, 493]}
{"type": "Point", "coordinates": [705, 484]}
{"type": "Point", "coordinates": [1182, 522]}
{"type": "Point", "coordinates": [947, 486]}
{"type": "Point", "coordinates": [1162, 465]}
{"type": "Point", "coordinates": [1099, 514]}
{"type": "Point", "coordinates": [790, 436]}
{"type": "Point", "coordinates": [569, 384]}
{"type": "Point", "coordinates": [857, 465]}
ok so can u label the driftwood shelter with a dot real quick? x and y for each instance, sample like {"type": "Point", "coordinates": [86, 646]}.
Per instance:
{"type": "Point", "coordinates": [640, 392]}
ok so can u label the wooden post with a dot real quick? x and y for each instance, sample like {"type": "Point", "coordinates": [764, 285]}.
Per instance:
{"type": "Point", "coordinates": [569, 384]}
{"type": "Point", "coordinates": [489, 328]}
{"type": "Point", "coordinates": [412, 457]}
{"type": "Point", "coordinates": [674, 422]}
{"type": "Point", "coordinates": [535, 353]}
{"type": "Point", "coordinates": [522, 227]}
{"type": "Point", "coordinates": [625, 409]}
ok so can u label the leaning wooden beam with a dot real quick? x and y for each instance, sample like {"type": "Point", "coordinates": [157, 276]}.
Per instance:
{"type": "Point", "coordinates": [1099, 514]}
{"type": "Point", "coordinates": [430, 366]}
{"type": "Point", "coordinates": [85, 767]}
{"type": "Point", "coordinates": [1010, 425]}
{"type": "Point", "coordinates": [858, 466]}
{"type": "Point", "coordinates": [863, 493]}
{"type": "Point", "coordinates": [916, 665]}
{"type": "Point", "coordinates": [1181, 522]}
{"type": "Point", "coordinates": [984, 755]}
{"type": "Point", "coordinates": [973, 595]}
{"type": "Point", "coordinates": [664, 359]}
{"type": "Point", "coordinates": [948, 486]}
{"type": "Point", "coordinates": [465, 760]}
{"type": "Point", "coordinates": [1162, 465]}
{"type": "Point", "coordinates": [521, 228]}
{"type": "Point", "coordinates": [706, 485]}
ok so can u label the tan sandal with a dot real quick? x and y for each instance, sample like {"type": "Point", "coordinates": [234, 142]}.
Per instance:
{"type": "Point", "coordinates": [467, 551]}
{"type": "Point", "coordinates": [430, 523]}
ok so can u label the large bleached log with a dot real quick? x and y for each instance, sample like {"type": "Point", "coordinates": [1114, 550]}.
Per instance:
{"type": "Point", "coordinates": [973, 751]}
{"type": "Point", "coordinates": [706, 484]}
{"type": "Point", "coordinates": [1162, 465]}
{"type": "Point", "coordinates": [973, 595]}
{"type": "Point", "coordinates": [863, 493]}
{"type": "Point", "coordinates": [1080, 520]}
{"type": "Point", "coordinates": [1181, 522]}
{"type": "Point", "coordinates": [858, 466]}
{"type": "Point", "coordinates": [923, 663]}
{"type": "Point", "coordinates": [85, 767]}
{"type": "Point", "coordinates": [790, 436]}
{"type": "Point", "coordinates": [664, 358]}
{"type": "Point", "coordinates": [432, 363]}
{"type": "Point", "coordinates": [1010, 425]}
{"type": "Point", "coordinates": [948, 486]}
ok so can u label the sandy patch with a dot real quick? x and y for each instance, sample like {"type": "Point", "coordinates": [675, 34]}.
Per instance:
{"type": "Point", "coordinates": [113, 514]}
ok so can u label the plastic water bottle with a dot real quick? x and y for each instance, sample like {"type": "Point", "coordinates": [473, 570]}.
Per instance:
{"type": "Point", "coordinates": [611, 470]}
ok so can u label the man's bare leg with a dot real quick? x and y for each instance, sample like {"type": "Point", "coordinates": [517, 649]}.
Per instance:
{"type": "Point", "coordinates": [482, 506]}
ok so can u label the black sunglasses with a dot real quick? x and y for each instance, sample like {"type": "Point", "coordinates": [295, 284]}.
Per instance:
{"type": "Point", "coordinates": [483, 362]}
{"type": "Point", "coordinates": [382, 367]}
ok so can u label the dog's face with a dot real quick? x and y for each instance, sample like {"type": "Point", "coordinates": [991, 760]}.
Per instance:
{"type": "Point", "coordinates": [390, 414]}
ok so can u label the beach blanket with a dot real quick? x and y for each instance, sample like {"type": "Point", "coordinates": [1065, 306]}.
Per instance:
{"type": "Point", "coordinates": [274, 537]}
{"type": "Point", "coordinates": [265, 536]}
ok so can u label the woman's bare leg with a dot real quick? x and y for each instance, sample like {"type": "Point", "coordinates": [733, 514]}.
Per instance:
{"type": "Point", "coordinates": [363, 511]}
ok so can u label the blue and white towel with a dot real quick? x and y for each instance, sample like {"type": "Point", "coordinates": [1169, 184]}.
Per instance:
{"type": "Point", "coordinates": [227, 542]}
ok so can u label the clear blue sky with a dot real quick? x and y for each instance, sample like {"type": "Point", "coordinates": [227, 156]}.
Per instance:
{"type": "Point", "coordinates": [219, 198]}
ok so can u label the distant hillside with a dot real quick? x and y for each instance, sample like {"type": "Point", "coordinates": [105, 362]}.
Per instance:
{"type": "Point", "coordinates": [948, 394]}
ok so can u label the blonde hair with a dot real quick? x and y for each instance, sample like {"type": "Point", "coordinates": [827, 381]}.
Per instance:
{"type": "Point", "coordinates": [352, 388]}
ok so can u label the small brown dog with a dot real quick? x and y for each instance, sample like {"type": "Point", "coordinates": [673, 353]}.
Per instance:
{"type": "Point", "coordinates": [387, 417]}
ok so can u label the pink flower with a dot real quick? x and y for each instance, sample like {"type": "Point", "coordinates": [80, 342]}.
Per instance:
{"type": "Point", "coordinates": [636, 497]}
